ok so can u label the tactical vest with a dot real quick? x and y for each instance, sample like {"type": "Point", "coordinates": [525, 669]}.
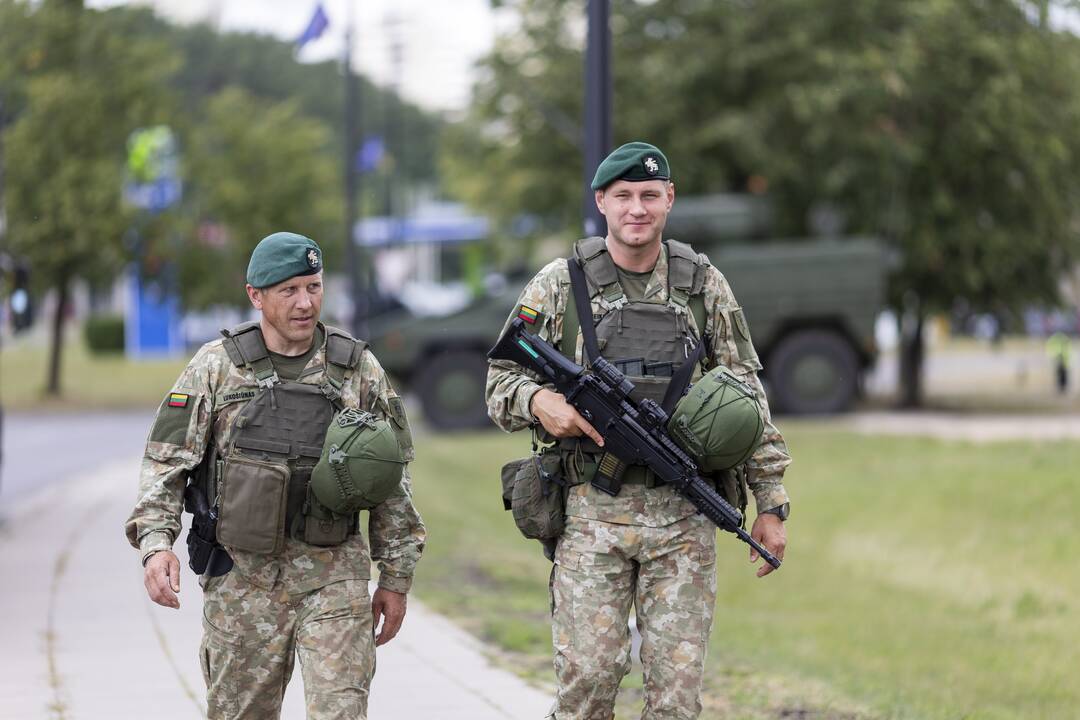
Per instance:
{"type": "Point", "coordinates": [260, 483]}
{"type": "Point", "coordinates": [648, 340]}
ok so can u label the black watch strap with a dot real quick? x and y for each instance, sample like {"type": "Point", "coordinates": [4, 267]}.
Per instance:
{"type": "Point", "coordinates": [781, 511]}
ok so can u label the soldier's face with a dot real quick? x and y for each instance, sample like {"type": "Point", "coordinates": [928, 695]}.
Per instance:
{"type": "Point", "coordinates": [636, 211]}
{"type": "Point", "coordinates": [291, 308]}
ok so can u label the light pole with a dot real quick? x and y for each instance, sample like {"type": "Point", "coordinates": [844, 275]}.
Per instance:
{"type": "Point", "coordinates": [597, 106]}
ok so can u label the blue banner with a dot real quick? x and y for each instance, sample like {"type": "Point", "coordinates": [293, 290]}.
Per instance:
{"type": "Point", "coordinates": [315, 27]}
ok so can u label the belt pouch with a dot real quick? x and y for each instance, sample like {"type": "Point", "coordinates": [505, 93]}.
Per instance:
{"type": "Point", "coordinates": [323, 526]}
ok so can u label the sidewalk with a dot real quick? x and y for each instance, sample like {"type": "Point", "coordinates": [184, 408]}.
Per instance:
{"type": "Point", "coordinates": [82, 641]}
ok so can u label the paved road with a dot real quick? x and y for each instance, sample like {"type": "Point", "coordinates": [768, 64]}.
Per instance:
{"type": "Point", "coordinates": [80, 640]}
{"type": "Point", "coordinates": [41, 449]}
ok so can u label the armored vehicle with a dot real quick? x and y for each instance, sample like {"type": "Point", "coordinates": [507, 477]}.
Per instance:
{"type": "Point", "coordinates": [811, 304]}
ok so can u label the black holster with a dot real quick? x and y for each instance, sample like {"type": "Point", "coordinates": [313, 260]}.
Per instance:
{"type": "Point", "coordinates": [205, 554]}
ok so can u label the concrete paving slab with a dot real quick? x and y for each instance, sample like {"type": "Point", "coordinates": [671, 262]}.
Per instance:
{"type": "Point", "coordinates": [82, 640]}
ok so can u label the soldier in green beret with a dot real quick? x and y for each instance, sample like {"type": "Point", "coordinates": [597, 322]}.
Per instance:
{"type": "Point", "coordinates": [235, 441]}
{"type": "Point", "coordinates": [648, 305]}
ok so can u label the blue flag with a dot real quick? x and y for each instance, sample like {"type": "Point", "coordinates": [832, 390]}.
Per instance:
{"type": "Point", "coordinates": [370, 155]}
{"type": "Point", "coordinates": [315, 27]}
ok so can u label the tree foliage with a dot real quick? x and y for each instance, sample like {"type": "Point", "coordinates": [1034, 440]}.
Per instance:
{"type": "Point", "coordinates": [948, 127]}
{"type": "Point", "coordinates": [80, 88]}
{"type": "Point", "coordinates": [261, 167]}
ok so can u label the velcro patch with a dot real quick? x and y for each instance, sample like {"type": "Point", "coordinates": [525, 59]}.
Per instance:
{"type": "Point", "coordinates": [529, 315]}
{"type": "Point", "coordinates": [173, 419]}
{"type": "Point", "coordinates": [235, 396]}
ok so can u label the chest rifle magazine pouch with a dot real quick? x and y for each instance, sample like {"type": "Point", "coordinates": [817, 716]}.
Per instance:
{"type": "Point", "coordinates": [253, 498]}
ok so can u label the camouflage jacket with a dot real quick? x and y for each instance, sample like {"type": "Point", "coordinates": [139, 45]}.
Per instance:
{"type": "Point", "coordinates": [216, 389]}
{"type": "Point", "coordinates": [510, 389]}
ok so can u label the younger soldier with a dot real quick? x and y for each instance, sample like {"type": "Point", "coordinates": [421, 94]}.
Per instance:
{"type": "Point", "coordinates": [246, 421]}
{"type": "Point", "coordinates": [652, 301]}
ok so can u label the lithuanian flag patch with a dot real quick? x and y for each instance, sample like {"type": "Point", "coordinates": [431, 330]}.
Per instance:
{"type": "Point", "coordinates": [178, 400]}
{"type": "Point", "coordinates": [529, 315]}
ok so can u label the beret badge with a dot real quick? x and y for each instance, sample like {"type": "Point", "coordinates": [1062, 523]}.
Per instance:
{"type": "Point", "coordinates": [313, 259]}
{"type": "Point", "coordinates": [651, 165]}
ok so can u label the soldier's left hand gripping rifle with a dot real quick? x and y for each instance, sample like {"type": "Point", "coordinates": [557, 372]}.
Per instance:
{"type": "Point", "coordinates": [205, 553]}
{"type": "Point", "coordinates": [634, 431]}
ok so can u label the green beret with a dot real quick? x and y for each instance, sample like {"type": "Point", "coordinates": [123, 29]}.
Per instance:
{"type": "Point", "coordinates": [634, 161]}
{"type": "Point", "coordinates": [281, 256]}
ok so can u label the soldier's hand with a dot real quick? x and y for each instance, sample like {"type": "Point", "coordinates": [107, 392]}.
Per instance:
{"type": "Point", "coordinates": [768, 530]}
{"type": "Point", "coordinates": [161, 576]}
{"type": "Point", "coordinates": [390, 606]}
{"type": "Point", "coordinates": [560, 418]}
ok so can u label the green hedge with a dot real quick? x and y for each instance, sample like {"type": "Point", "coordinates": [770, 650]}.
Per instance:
{"type": "Point", "coordinates": [104, 333]}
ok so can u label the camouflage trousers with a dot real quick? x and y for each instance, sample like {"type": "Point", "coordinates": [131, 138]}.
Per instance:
{"type": "Point", "coordinates": [669, 575]}
{"type": "Point", "coordinates": [251, 637]}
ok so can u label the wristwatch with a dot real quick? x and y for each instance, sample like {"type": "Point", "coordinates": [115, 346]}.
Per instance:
{"type": "Point", "coordinates": [780, 511]}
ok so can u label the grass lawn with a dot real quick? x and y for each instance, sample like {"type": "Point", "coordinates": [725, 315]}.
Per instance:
{"type": "Point", "coordinates": [924, 579]}
{"type": "Point", "coordinates": [88, 381]}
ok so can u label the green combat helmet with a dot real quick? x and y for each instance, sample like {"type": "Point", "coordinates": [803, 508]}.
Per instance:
{"type": "Point", "coordinates": [718, 422]}
{"type": "Point", "coordinates": [361, 463]}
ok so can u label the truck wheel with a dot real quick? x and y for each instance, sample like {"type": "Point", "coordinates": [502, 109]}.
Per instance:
{"type": "Point", "coordinates": [451, 389]}
{"type": "Point", "coordinates": [813, 372]}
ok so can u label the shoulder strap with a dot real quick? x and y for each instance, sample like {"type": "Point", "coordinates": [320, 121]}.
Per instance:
{"type": "Point", "coordinates": [571, 322]}
{"type": "Point", "coordinates": [685, 277]}
{"type": "Point", "coordinates": [599, 268]}
{"type": "Point", "coordinates": [246, 348]}
{"type": "Point", "coordinates": [343, 353]}
{"type": "Point", "coordinates": [580, 291]}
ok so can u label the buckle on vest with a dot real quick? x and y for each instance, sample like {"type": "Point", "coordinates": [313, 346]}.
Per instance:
{"type": "Point", "coordinates": [330, 390]}
{"type": "Point", "coordinates": [268, 381]}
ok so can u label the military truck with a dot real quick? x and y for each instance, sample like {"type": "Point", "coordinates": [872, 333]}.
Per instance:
{"type": "Point", "coordinates": [811, 305]}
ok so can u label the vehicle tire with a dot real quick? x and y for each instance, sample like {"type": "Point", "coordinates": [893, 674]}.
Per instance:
{"type": "Point", "coordinates": [813, 372]}
{"type": "Point", "coordinates": [451, 389]}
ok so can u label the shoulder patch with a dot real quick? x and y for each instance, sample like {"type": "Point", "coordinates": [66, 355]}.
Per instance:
{"type": "Point", "coordinates": [173, 418]}
{"type": "Point", "coordinates": [530, 315]}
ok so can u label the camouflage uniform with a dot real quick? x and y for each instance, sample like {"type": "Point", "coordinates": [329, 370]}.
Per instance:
{"type": "Point", "coordinates": [308, 600]}
{"type": "Point", "coordinates": [647, 545]}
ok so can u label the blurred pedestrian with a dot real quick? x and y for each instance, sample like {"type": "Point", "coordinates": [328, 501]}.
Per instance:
{"type": "Point", "coordinates": [244, 438]}
{"type": "Point", "coordinates": [1059, 349]}
{"type": "Point", "coordinates": [629, 539]}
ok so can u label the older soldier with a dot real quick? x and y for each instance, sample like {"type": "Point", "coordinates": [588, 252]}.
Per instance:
{"type": "Point", "coordinates": [652, 302]}
{"type": "Point", "coordinates": [246, 421]}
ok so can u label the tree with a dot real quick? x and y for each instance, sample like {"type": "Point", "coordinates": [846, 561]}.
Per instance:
{"type": "Point", "coordinates": [948, 127]}
{"type": "Point", "coordinates": [257, 167]}
{"type": "Point", "coordinates": [84, 89]}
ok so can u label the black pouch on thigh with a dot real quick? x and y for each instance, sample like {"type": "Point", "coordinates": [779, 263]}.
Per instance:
{"type": "Point", "coordinates": [534, 491]}
{"type": "Point", "coordinates": [320, 525]}
{"type": "Point", "coordinates": [252, 500]}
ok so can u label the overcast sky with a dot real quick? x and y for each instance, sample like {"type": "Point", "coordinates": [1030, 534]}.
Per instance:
{"type": "Point", "coordinates": [439, 39]}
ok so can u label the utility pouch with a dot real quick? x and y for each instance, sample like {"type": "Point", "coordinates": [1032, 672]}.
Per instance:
{"type": "Point", "coordinates": [534, 491]}
{"type": "Point", "coordinates": [323, 526]}
{"type": "Point", "coordinates": [252, 500]}
{"type": "Point", "coordinates": [731, 484]}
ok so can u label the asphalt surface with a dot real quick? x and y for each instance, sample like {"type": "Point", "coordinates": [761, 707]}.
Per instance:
{"type": "Point", "coordinates": [40, 449]}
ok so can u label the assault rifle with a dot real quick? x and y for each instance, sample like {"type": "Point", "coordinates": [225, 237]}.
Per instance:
{"type": "Point", "coordinates": [205, 553]}
{"type": "Point", "coordinates": [634, 432]}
